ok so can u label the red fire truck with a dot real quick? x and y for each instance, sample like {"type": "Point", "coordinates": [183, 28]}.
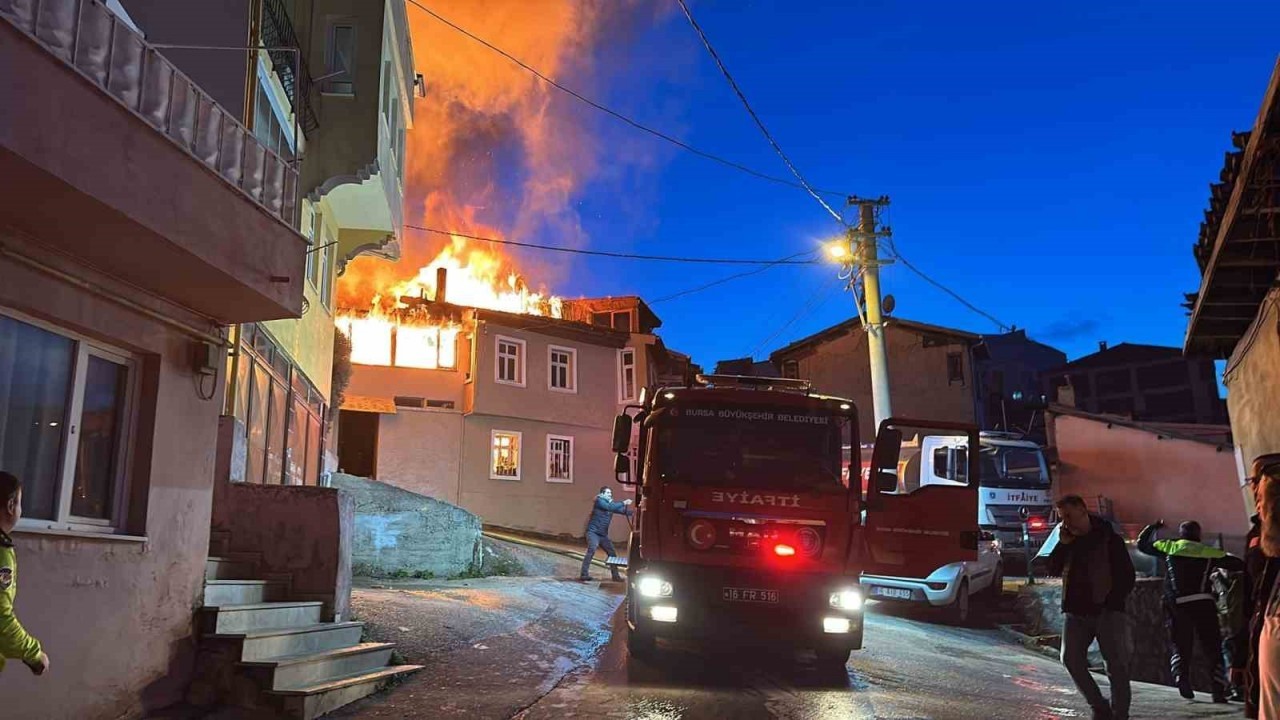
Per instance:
{"type": "Point", "coordinates": [747, 524]}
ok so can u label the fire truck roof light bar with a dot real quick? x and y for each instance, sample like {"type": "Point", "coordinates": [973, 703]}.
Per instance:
{"type": "Point", "coordinates": [756, 383]}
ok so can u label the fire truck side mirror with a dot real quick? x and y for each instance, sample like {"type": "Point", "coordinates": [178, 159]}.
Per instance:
{"type": "Point", "coordinates": [622, 433]}
{"type": "Point", "coordinates": [622, 468]}
{"type": "Point", "coordinates": [884, 460]}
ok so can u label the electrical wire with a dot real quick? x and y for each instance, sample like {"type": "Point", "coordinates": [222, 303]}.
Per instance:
{"type": "Point", "coordinates": [706, 42]}
{"type": "Point", "coordinates": [618, 255]}
{"type": "Point", "coordinates": [815, 300]}
{"type": "Point", "coordinates": [923, 276]}
{"type": "Point", "coordinates": [623, 118]}
{"type": "Point", "coordinates": [729, 278]}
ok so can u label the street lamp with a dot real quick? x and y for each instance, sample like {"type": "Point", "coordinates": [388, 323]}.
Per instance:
{"type": "Point", "coordinates": [838, 250]}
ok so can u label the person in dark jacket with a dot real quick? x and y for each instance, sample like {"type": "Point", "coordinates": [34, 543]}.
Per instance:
{"type": "Point", "coordinates": [1263, 567]}
{"type": "Point", "coordinates": [1189, 609]}
{"type": "Point", "coordinates": [1262, 573]}
{"type": "Point", "coordinates": [602, 512]}
{"type": "Point", "coordinates": [1097, 577]}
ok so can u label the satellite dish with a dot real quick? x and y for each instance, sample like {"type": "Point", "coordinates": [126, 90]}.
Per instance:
{"type": "Point", "coordinates": [888, 304]}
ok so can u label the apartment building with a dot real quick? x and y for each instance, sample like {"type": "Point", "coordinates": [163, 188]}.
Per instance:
{"type": "Point", "coordinates": [513, 419]}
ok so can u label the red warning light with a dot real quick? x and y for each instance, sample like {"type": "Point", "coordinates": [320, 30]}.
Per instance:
{"type": "Point", "coordinates": [1036, 524]}
{"type": "Point", "coordinates": [782, 550]}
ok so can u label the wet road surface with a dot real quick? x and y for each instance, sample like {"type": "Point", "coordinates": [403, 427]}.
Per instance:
{"type": "Point", "coordinates": [541, 648]}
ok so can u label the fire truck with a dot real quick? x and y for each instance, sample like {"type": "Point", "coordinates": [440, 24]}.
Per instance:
{"type": "Point", "coordinates": [747, 524]}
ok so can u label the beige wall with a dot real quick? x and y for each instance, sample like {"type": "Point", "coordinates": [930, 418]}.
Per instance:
{"type": "Point", "coordinates": [387, 382]}
{"type": "Point", "coordinates": [917, 377]}
{"type": "Point", "coordinates": [115, 615]}
{"type": "Point", "coordinates": [532, 503]}
{"type": "Point", "coordinates": [1148, 478]}
{"type": "Point", "coordinates": [1253, 394]}
{"type": "Point", "coordinates": [594, 404]}
{"type": "Point", "coordinates": [421, 451]}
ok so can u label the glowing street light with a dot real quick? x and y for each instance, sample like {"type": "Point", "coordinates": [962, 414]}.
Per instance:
{"type": "Point", "coordinates": [838, 250]}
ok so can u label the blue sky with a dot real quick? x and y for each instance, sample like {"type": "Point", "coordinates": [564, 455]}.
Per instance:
{"type": "Point", "coordinates": [1048, 161]}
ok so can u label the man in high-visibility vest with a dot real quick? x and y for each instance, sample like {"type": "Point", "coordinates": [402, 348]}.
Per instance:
{"type": "Point", "coordinates": [15, 642]}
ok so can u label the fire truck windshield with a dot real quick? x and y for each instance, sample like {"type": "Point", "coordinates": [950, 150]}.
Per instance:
{"type": "Point", "coordinates": [1006, 466]}
{"type": "Point", "coordinates": [759, 449]}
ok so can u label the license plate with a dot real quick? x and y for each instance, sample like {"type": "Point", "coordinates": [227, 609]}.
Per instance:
{"type": "Point", "coordinates": [896, 593]}
{"type": "Point", "coordinates": [749, 595]}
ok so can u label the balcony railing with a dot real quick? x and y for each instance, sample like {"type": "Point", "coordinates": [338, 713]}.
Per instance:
{"type": "Point", "coordinates": [277, 33]}
{"type": "Point", "coordinates": [107, 52]}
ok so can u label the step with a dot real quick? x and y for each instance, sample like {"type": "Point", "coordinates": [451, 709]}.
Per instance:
{"type": "Point", "coordinates": [312, 701]}
{"type": "Point", "coordinates": [303, 670]}
{"type": "Point", "coordinates": [287, 642]}
{"type": "Point", "coordinates": [222, 568]}
{"type": "Point", "coordinates": [227, 619]}
{"type": "Point", "coordinates": [240, 592]}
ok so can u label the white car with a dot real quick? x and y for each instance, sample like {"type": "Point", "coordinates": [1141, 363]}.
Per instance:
{"type": "Point", "coordinates": [951, 587]}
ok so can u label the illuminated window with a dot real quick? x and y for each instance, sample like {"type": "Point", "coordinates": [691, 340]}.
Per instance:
{"type": "Point", "coordinates": [428, 348]}
{"type": "Point", "coordinates": [627, 375]}
{"type": "Point", "coordinates": [505, 461]}
{"type": "Point", "coordinates": [563, 369]}
{"type": "Point", "coordinates": [509, 363]}
{"type": "Point", "coordinates": [559, 459]}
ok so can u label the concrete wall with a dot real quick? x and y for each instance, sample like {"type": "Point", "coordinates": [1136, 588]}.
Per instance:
{"type": "Point", "coordinates": [421, 451]}
{"type": "Point", "coordinates": [399, 531]}
{"type": "Point", "coordinates": [388, 382]}
{"type": "Point", "coordinates": [115, 614]}
{"type": "Point", "coordinates": [302, 532]}
{"type": "Point", "coordinates": [917, 376]}
{"type": "Point", "coordinates": [1253, 394]}
{"type": "Point", "coordinates": [1148, 478]}
{"type": "Point", "coordinates": [532, 503]}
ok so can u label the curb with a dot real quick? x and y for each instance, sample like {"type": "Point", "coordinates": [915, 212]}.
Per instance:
{"type": "Point", "coordinates": [1028, 642]}
{"type": "Point", "coordinates": [516, 540]}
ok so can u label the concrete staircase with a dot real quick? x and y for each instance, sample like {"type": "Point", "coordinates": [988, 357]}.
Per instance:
{"type": "Point", "coordinates": [258, 650]}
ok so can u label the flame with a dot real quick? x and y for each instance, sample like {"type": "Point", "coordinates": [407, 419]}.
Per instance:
{"type": "Point", "coordinates": [491, 147]}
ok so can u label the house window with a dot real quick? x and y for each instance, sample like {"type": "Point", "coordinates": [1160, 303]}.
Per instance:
{"type": "Point", "coordinates": [563, 376]}
{"type": "Point", "coordinates": [410, 402]}
{"type": "Point", "coordinates": [271, 124]}
{"type": "Point", "coordinates": [505, 463]}
{"type": "Point", "coordinates": [617, 320]}
{"type": "Point", "coordinates": [509, 369]}
{"type": "Point", "coordinates": [627, 375]}
{"type": "Point", "coordinates": [340, 59]}
{"type": "Point", "coordinates": [559, 459]}
{"type": "Point", "coordinates": [428, 347]}
{"type": "Point", "coordinates": [791, 369]}
{"type": "Point", "coordinates": [66, 412]}
{"type": "Point", "coordinates": [955, 369]}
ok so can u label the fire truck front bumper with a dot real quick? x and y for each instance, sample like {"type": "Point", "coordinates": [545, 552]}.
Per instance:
{"type": "Point", "coordinates": [705, 603]}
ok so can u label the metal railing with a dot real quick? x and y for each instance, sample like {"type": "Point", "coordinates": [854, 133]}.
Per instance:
{"type": "Point", "coordinates": [103, 49]}
{"type": "Point", "coordinates": [277, 32]}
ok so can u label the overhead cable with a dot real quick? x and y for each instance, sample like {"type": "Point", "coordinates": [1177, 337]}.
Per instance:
{"type": "Point", "coordinates": [706, 42]}
{"type": "Point", "coordinates": [923, 276]}
{"type": "Point", "coordinates": [623, 118]}
{"type": "Point", "coordinates": [729, 278]}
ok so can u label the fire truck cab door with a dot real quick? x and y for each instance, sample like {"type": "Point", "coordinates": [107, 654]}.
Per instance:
{"type": "Point", "coordinates": [914, 525]}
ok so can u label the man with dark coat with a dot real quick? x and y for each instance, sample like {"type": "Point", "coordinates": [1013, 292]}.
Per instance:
{"type": "Point", "coordinates": [1190, 611]}
{"type": "Point", "coordinates": [1097, 577]}
{"type": "Point", "coordinates": [602, 512]}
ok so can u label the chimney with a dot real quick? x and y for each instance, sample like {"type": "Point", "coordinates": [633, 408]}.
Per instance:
{"type": "Point", "coordinates": [442, 284]}
{"type": "Point", "coordinates": [1102, 344]}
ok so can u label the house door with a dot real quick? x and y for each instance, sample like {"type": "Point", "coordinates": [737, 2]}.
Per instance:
{"type": "Point", "coordinates": [358, 443]}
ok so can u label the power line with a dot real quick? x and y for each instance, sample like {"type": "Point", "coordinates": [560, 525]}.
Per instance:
{"type": "Point", "coordinates": [618, 255]}
{"type": "Point", "coordinates": [729, 278]}
{"type": "Point", "coordinates": [820, 296]}
{"type": "Point", "coordinates": [923, 276]}
{"type": "Point", "coordinates": [619, 116]}
{"type": "Point", "coordinates": [759, 123]}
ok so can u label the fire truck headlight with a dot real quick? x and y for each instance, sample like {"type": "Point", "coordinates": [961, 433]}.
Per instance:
{"type": "Point", "coordinates": [654, 587]}
{"type": "Point", "coordinates": [663, 613]}
{"type": "Point", "coordinates": [847, 599]}
{"type": "Point", "coordinates": [835, 625]}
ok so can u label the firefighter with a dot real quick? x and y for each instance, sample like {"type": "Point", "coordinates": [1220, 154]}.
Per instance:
{"type": "Point", "coordinates": [1190, 611]}
{"type": "Point", "coordinates": [15, 642]}
{"type": "Point", "coordinates": [602, 511]}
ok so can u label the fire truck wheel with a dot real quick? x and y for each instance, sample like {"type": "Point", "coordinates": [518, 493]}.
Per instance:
{"type": "Point", "coordinates": [833, 659]}
{"type": "Point", "coordinates": [641, 644]}
{"type": "Point", "coordinates": [958, 612]}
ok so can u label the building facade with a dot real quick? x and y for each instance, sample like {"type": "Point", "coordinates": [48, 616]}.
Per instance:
{"type": "Point", "coordinates": [1234, 311]}
{"type": "Point", "coordinates": [516, 425]}
{"type": "Point", "coordinates": [1142, 382]}
{"type": "Point", "coordinates": [140, 219]}
{"type": "Point", "coordinates": [345, 133]}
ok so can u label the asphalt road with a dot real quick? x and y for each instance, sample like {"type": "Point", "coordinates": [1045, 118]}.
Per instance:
{"type": "Point", "coordinates": [549, 647]}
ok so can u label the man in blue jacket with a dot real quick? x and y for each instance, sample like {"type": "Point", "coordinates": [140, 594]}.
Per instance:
{"type": "Point", "coordinates": [598, 530]}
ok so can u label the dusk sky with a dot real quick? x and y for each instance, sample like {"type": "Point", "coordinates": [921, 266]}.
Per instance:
{"type": "Point", "coordinates": [1049, 164]}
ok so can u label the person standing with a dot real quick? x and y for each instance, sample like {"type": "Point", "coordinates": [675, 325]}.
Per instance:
{"type": "Point", "coordinates": [1097, 577]}
{"type": "Point", "coordinates": [1262, 574]}
{"type": "Point", "coordinates": [1268, 620]}
{"type": "Point", "coordinates": [602, 512]}
{"type": "Point", "coordinates": [1190, 611]}
{"type": "Point", "coordinates": [15, 642]}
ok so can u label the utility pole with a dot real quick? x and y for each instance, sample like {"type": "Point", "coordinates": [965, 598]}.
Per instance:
{"type": "Point", "coordinates": [863, 239]}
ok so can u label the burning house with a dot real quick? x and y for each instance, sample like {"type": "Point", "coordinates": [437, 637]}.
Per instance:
{"type": "Point", "coordinates": [471, 388]}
